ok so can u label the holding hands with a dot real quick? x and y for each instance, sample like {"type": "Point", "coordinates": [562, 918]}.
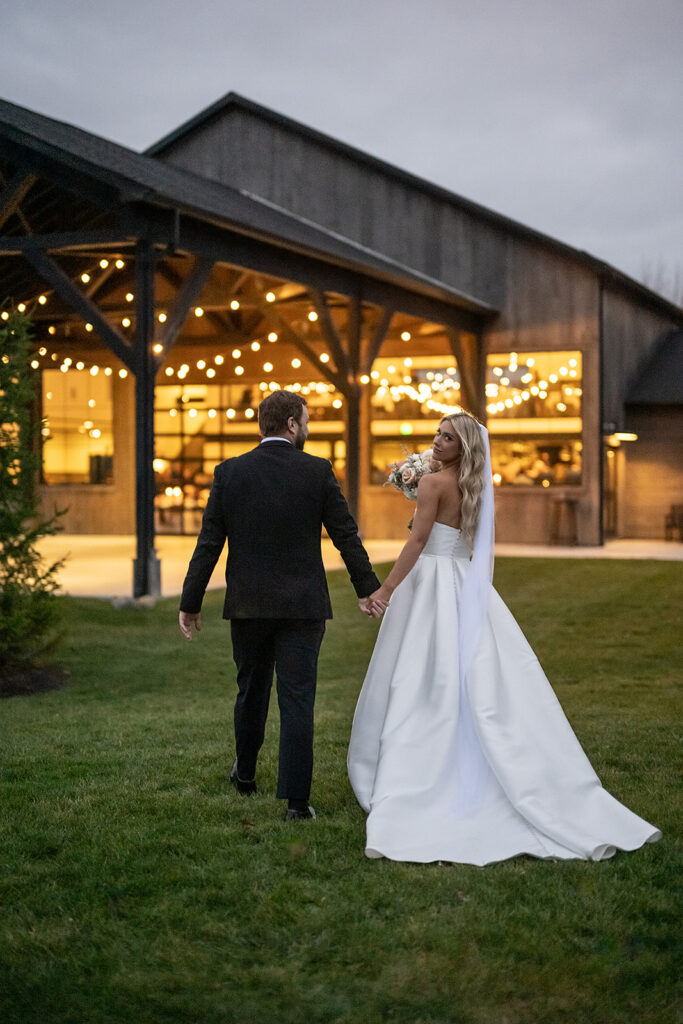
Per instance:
{"type": "Point", "coordinates": [375, 605]}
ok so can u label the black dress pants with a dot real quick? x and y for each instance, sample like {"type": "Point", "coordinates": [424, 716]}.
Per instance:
{"type": "Point", "coordinates": [290, 648]}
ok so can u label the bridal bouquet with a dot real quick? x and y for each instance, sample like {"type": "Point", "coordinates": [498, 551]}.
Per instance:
{"type": "Point", "coordinates": [406, 475]}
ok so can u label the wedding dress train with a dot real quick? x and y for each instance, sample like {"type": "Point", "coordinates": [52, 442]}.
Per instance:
{"type": "Point", "coordinates": [479, 770]}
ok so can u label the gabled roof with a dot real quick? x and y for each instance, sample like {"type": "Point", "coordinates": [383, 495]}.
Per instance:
{"type": "Point", "coordinates": [144, 178]}
{"type": "Point", "coordinates": [233, 101]}
{"type": "Point", "coordinates": [660, 380]}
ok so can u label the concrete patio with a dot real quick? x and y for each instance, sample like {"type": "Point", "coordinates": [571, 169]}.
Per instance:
{"type": "Point", "coordinates": [102, 566]}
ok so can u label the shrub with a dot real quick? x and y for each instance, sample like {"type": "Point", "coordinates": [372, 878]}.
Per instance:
{"type": "Point", "coordinates": [29, 626]}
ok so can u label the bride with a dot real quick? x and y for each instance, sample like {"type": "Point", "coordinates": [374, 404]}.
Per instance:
{"type": "Point", "coordinates": [459, 749]}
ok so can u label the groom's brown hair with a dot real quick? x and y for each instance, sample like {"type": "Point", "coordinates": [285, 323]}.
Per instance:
{"type": "Point", "coordinates": [275, 410]}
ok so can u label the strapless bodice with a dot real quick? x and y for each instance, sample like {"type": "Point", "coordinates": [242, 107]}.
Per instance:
{"type": "Point", "coordinates": [446, 540]}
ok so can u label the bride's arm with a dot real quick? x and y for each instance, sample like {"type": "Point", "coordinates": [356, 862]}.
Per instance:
{"type": "Point", "coordinates": [425, 514]}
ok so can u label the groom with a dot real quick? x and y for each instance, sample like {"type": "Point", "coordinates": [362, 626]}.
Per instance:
{"type": "Point", "coordinates": [271, 505]}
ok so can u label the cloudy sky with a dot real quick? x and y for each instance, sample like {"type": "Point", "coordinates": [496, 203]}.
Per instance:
{"type": "Point", "coordinates": [563, 114]}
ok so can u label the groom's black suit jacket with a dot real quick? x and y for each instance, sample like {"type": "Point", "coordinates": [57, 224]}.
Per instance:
{"type": "Point", "coordinates": [271, 505]}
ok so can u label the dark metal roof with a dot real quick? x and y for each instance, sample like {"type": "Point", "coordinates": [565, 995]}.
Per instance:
{"type": "Point", "coordinates": [660, 380]}
{"type": "Point", "coordinates": [143, 178]}
{"type": "Point", "coordinates": [233, 100]}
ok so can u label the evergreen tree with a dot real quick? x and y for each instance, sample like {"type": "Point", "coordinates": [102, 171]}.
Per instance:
{"type": "Point", "coordinates": [29, 626]}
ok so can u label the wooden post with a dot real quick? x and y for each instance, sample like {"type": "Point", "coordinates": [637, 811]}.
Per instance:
{"type": "Point", "coordinates": [353, 449]}
{"type": "Point", "coordinates": [146, 567]}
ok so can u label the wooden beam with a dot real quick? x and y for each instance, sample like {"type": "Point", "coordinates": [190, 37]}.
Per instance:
{"type": "Point", "coordinates": [13, 195]}
{"type": "Point", "coordinates": [472, 378]}
{"type": "Point", "coordinates": [273, 316]}
{"type": "Point", "coordinates": [329, 331]}
{"type": "Point", "coordinates": [376, 341]}
{"type": "Point", "coordinates": [268, 258]}
{"type": "Point", "coordinates": [354, 327]}
{"type": "Point", "coordinates": [186, 297]}
{"type": "Point", "coordinates": [174, 278]}
{"type": "Point", "coordinates": [53, 275]}
{"type": "Point", "coordinates": [64, 241]}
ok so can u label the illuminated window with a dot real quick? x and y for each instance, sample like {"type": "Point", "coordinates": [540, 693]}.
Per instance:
{"type": "Point", "coordinates": [409, 395]}
{"type": "Point", "coordinates": [77, 435]}
{"type": "Point", "coordinates": [533, 404]}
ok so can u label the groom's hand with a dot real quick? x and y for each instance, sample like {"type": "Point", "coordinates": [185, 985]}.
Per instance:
{"type": "Point", "coordinates": [186, 620]}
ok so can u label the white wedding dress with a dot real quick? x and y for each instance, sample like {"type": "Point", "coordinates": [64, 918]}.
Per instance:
{"type": "Point", "coordinates": [479, 770]}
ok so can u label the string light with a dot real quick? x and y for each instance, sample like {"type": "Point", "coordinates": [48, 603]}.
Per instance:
{"type": "Point", "coordinates": [239, 370]}
{"type": "Point", "coordinates": [198, 311]}
{"type": "Point", "coordinates": [313, 316]}
{"type": "Point", "coordinates": [267, 367]}
{"type": "Point", "coordinates": [270, 296]}
{"type": "Point", "coordinates": [255, 346]}
{"type": "Point", "coordinates": [211, 372]}
{"type": "Point", "coordinates": [236, 353]}
{"type": "Point", "coordinates": [104, 264]}
{"type": "Point", "coordinates": [324, 358]}
{"type": "Point", "coordinates": [52, 329]}
{"type": "Point", "coordinates": [22, 307]}
{"type": "Point", "coordinates": [234, 304]}
{"type": "Point", "coordinates": [218, 360]}
{"type": "Point", "coordinates": [129, 296]}
{"type": "Point", "coordinates": [88, 327]}
{"type": "Point", "coordinates": [272, 336]}
{"type": "Point", "coordinates": [162, 318]}
{"type": "Point", "coordinates": [405, 336]}
{"type": "Point", "coordinates": [158, 348]}
{"type": "Point", "coordinates": [296, 363]}
{"type": "Point", "coordinates": [85, 278]}
{"type": "Point", "coordinates": [42, 299]}
{"type": "Point", "coordinates": [120, 264]}
{"type": "Point", "coordinates": [125, 322]}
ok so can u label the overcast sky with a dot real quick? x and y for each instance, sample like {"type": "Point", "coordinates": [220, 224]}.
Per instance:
{"type": "Point", "coordinates": [563, 114]}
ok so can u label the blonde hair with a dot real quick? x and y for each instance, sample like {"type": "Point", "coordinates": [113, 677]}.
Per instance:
{"type": "Point", "coordinates": [471, 471]}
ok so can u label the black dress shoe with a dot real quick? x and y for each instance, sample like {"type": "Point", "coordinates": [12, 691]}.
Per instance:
{"type": "Point", "coordinates": [294, 814]}
{"type": "Point", "coordinates": [247, 787]}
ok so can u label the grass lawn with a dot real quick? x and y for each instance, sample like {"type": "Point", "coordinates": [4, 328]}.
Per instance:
{"type": "Point", "coordinates": [136, 885]}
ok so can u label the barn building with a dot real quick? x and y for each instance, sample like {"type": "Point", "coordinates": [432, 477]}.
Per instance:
{"type": "Point", "coordinates": [170, 290]}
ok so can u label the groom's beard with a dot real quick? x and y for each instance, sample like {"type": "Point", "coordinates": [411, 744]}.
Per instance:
{"type": "Point", "coordinates": [300, 439]}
